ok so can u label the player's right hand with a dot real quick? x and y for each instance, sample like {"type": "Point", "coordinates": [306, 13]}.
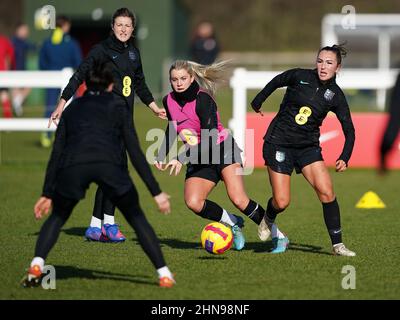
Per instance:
{"type": "Point", "coordinates": [163, 203]}
{"type": "Point", "coordinates": [175, 165]}
{"type": "Point", "coordinates": [42, 207]}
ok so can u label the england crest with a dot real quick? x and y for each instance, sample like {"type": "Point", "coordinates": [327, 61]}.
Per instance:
{"type": "Point", "coordinates": [132, 55]}
{"type": "Point", "coordinates": [280, 156]}
{"type": "Point", "coordinates": [328, 95]}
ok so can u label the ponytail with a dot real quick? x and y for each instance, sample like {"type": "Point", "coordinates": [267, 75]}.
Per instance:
{"type": "Point", "coordinates": [339, 49]}
{"type": "Point", "coordinates": [208, 76]}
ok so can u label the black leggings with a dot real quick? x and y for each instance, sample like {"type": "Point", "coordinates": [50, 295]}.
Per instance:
{"type": "Point", "coordinates": [128, 204]}
{"type": "Point", "coordinates": [102, 205]}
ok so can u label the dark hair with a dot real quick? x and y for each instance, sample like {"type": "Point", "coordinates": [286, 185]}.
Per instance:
{"type": "Point", "coordinates": [99, 78]}
{"type": "Point", "coordinates": [339, 49]}
{"type": "Point", "coordinates": [123, 12]}
{"type": "Point", "coordinates": [62, 20]}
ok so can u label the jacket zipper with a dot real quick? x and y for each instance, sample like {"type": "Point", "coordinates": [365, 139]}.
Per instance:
{"type": "Point", "coordinates": [315, 93]}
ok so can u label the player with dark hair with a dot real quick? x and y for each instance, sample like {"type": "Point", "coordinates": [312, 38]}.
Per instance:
{"type": "Point", "coordinates": [292, 139]}
{"type": "Point", "coordinates": [87, 149]}
{"type": "Point", "coordinates": [117, 51]}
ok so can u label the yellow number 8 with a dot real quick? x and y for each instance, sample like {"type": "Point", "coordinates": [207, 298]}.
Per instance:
{"type": "Point", "coordinates": [302, 117]}
{"type": "Point", "coordinates": [189, 137]}
{"type": "Point", "coordinates": [126, 90]}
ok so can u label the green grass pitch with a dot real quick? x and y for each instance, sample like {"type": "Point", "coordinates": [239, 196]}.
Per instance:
{"type": "Point", "coordinates": [307, 270]}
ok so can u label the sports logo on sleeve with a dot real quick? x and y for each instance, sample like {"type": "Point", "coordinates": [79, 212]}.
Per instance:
{"type": "Point", "coordinates": [302, 117]}
{"type": "Point", "coordinates": [132, 55]}
{"type": "Point", "coordinates": [178, 123]}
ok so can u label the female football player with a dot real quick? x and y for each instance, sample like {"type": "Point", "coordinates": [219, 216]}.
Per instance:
{"type": "Point", "coordinates": [119, 52]}
{"type": "Point", "coordinates": [292, 139]}
{"type": "Point", "coordinates": [211, 154]}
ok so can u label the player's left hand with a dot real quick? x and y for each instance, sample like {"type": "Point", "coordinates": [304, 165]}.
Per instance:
{"type": "Point", "coordinates": [340, 166]}
{"type": "Point", "coordinates": [174, 164]}
{"type": "Point", "coordinates": [159, 112]}
{"type": "Point", "coordinates": [42, 207]}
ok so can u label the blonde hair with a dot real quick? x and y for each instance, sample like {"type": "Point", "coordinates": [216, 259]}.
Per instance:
{"type": "Point", "coordinates": [208, 76]}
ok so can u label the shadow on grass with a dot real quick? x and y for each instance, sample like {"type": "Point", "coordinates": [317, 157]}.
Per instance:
{"type": "Point", "coordinates": [258, 247]}
{"type": "Point", "coordinates": [307, 248]}
{"type": "Point", "coordinates": [210, 257]}
{"type": "Point", "coordinates": [67, 272]}
{"type": "Point", "coordinates": [74, 231]}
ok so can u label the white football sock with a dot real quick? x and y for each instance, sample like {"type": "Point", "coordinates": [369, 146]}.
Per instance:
{"type": "Point", "coordinates": [95, 222]}
{"type": "Point", "coordinates": [276, 233]}
{"type": "Point", "coordinates": [228, 218]}
{"type": "Point", "coordinates": [39, 262]}
{"type": "Point", "coordinates": [164, 272]}
{"type": "Point", "coordinates": [108, 219]}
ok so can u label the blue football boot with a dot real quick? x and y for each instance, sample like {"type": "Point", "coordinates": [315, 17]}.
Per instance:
{"type": "Point", "coordinates": [238, 237]}
{"type": "Point", "coordinates": [95, 234]}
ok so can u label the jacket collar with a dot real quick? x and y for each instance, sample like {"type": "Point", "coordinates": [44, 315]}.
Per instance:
{"type": "Point", "coordinates": [115, 44]}
{"type": "Point", "coordinates": [188, 95]}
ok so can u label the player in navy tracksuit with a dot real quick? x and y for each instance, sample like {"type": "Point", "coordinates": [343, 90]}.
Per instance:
{"type": "Point", "coordinates": [87, 149]}
{"type": "Point", "coordinates": [120, 54]}
{"type": "Point", "coordinates": [292, 139]}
